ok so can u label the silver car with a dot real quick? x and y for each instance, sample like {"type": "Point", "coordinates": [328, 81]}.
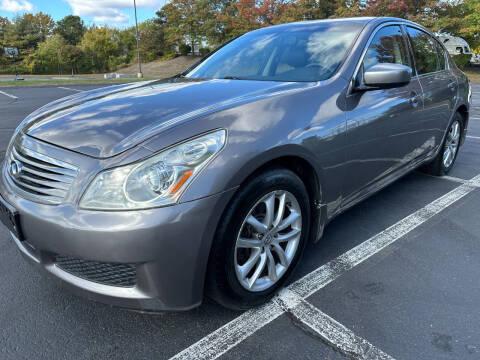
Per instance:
{"type": "Point", "coordinates": [149, 196]}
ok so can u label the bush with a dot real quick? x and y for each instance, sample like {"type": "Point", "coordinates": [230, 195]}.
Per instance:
{"type": "Point", "coordinates": [204, 51]}
{"type": "Point", "coordinates": [184, 49]}
{"type": "Point", "coordinates": [462, 60]}
{"type": "Point", "coordinates": [168, 56]}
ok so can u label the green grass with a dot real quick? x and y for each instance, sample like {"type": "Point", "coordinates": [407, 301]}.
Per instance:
{"type": "Point", "coordinates": [473, 73]}
{"type": "Point", "coordinates": [14, 83]}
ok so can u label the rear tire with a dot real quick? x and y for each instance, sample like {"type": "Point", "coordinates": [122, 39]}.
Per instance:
{"type": "Point", "coordinates": [445, 159]}
{"type": "Point", "coordinates": [246, 265]}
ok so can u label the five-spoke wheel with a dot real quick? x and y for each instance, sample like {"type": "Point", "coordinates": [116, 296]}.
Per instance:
{"type": "Point", "coordinates": [444, 160]}
{"type": "Point", "coordinates": [268, 240]}
{"type": "Point", "coordinates": [260, 239]}
{"type": "Point", "coordinates": [451, 144]}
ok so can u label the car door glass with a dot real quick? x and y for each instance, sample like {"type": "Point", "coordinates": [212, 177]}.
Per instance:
{"type": "Point", "coordinates": [388, 46]}
{"type": "Point", "coordinates": [424, 51]}
{"type": "Point", "coordinates": [441, 56]}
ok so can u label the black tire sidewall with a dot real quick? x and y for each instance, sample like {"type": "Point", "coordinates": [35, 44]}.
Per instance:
{"type": "Point", "coordinates": [224, 285]}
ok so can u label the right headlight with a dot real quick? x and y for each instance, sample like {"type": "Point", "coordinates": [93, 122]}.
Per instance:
{"type": "Point", "coordinates": [155, 181]}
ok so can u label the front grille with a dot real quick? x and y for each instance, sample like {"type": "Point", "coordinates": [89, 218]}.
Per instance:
{"type": "Point", "coordinates": [38, 177]}
{"type": "Point", "coordinates": [100, 272]}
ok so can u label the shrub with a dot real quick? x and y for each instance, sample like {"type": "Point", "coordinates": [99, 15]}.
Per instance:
{"type": "Point", "coordinates": [184, 49]}
{"type": "Point", "coordinates": [168, 56]}
{"type": "Point", "coordinates": [204, 51]}
{"type": "Point", "coordinates": [462, 60]}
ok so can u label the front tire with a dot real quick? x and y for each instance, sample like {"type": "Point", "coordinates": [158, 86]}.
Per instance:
{"type": "Point", "coordinates": [259, 240]}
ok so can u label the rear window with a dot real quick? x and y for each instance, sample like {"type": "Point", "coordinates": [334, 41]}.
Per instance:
{"type": "Point", "coordinates": [424, 51]}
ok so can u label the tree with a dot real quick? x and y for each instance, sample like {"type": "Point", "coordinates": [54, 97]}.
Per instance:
{"type": "Point", "coordinates": [457, 17]}
{"type": "Point", "coordinates": [71, 55]}
{"type": "Point", "coordinates": [101, 46]}
{"type": "Point", "coordinates": [26, 32]}
{"type": "Point", "coordinates": [4, 61]}
{"type": "Point", "coordinates": [152, 40]}
{"type": "Point", "coordinates": [71, 29]}
{"type": "Point", "coordinates": [241, 16]}
{"type": "Point", "coordinates": [182, 21]}
{"type": "Point", "coordinates": [46, 59]}
{"type": "Point", "coordinates": [460, 18]}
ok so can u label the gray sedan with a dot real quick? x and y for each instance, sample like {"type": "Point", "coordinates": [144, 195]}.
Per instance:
{"type": "Point", "coordinates": [151, 196]}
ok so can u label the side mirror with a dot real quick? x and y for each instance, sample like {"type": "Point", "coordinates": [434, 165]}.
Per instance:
{"type": "Point", "coordinates": [386, 75]}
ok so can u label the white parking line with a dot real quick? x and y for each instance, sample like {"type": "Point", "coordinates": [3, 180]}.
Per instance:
{"type": "Point", "coordinates": [329, 329]}
{"type": "Point", "coordinates": [231, 334]}
{"type": "Point", "coordinates": [9, 95]}
{"type": "Point", "coordinates": [472, 182]}
{"type": "Point", "coordinates": [71, 89]}
{"type": "Point", "coordinates": [473, 137]}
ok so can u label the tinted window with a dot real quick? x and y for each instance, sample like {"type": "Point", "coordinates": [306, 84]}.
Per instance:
{"type": "Point", "coordinates": [310, 52]}
{"type": "Point", "coordinates": [424, 51]}
{"type": "Point", "coordinates": [441, 56]}
{"type": "Point", "coordinates": [388, 46]}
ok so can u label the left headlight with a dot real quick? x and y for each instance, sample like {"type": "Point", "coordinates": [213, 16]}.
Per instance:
{"type": "Point", "coordinates": [155, 181]}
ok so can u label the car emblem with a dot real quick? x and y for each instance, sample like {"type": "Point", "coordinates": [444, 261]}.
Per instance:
{"type": "Point", "coordinates": [16, 168]}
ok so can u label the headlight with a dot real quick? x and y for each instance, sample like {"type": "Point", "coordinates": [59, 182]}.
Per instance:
{"type": "Point", "coordinates": [156, 181]}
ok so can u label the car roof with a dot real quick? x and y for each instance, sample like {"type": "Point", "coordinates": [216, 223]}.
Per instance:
{"type": "Point", "coordinates": [358, 20]}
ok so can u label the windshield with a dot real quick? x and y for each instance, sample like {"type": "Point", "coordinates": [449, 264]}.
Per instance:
{"type": "Point", "coordinates": [300, 52]}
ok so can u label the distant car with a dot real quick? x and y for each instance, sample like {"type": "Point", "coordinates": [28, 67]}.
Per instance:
{"type": "Point", "coordinates": [475, 60]}
{"type": "Point", "coordinates": [147, 196]}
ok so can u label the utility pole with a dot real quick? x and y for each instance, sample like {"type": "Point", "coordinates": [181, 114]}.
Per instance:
{"type": "Point", "coordinates": [140, 75]}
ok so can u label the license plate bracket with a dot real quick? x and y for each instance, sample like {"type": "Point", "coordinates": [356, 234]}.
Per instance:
{"type": "Point", "coordinates": [10, 217]}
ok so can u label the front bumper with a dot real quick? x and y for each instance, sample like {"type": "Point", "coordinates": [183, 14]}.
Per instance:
{"type": "Point", "coordinates": [169, 247]}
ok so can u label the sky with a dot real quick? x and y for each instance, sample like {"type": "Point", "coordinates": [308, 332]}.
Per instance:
{"type": "Point", "coordinates": [117, 13]}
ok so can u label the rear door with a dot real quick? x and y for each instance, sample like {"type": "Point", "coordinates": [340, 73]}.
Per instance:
{"type": "Point", "coordinates": [379, 122]}
{"type": "Point", "coordinates": [439, 89]}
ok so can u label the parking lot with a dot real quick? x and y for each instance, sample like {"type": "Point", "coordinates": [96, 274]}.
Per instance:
{"type": "Point", "coordinates": [395, 277]}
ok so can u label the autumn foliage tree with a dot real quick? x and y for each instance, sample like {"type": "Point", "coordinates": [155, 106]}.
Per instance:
{"type": "Point", "coordinates": [203, 24]}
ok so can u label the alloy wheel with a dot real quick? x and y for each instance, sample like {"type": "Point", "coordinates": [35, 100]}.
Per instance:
{"type": "Point", "coordinates": [451, 144]}
{"type": "Point", "coordinates": [268, 240]}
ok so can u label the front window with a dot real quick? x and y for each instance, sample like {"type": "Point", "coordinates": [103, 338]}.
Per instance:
{"type": "Point", "coordinates": [388, 46]}
{"type": "Point", "coordinates": [301, 52]}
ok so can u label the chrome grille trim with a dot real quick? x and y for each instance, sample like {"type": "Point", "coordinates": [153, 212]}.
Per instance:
{"type": "Point", "coordinates": [42, 179]}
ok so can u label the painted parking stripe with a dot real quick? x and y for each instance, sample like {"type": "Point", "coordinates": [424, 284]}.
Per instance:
{"type": "Point", "coordinates": [472, 182]}
{"type": "Point", "coordinates": [9, 95]}
{"type": "Point", "coordinates": [71, 89]}
{"type": "Point", "coordinates": [231, 334]}
{"type": "Point", "coordinates": [328, 329]}
{"type": "Point", "coordinates": [473, 137]}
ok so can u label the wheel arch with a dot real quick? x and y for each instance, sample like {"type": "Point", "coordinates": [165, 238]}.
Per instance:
{"type": "Point", "coordinates": [463, 111]}
{"type": "Point", "coordinates": [305, 166]}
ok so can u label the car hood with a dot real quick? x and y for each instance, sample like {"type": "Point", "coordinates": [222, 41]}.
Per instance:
{"type": "Point", "coordinates": [105, 122]}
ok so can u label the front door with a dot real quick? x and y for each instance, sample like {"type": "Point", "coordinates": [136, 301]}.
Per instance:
{"type": "Point", "coordinates": [379, 122]}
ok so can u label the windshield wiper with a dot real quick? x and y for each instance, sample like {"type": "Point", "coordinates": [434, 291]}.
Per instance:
{"type": "Point", "coordinates": [234, 78]}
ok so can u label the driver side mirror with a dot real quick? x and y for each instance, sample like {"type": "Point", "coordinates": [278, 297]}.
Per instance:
{"type": "Point", "coordinates": [383, 76]}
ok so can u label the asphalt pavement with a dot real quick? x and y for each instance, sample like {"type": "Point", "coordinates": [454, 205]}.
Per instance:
{"type": "Point", "coordinates": [395, 277]}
